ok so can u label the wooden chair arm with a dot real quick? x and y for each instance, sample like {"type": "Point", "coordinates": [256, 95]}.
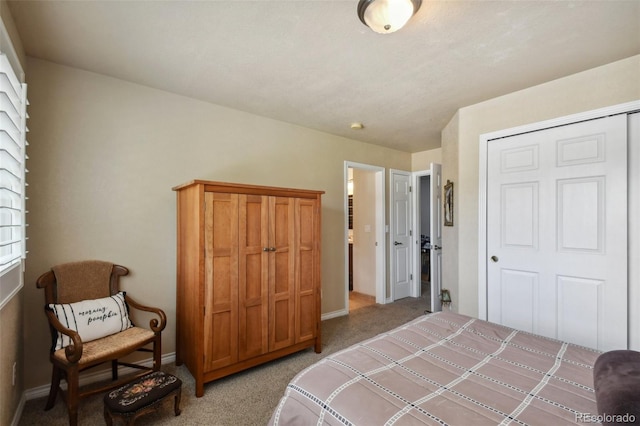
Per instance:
{"type": "Point", "coordinates": [73, 352]}
{"type": "Point", "coordinates": [154, 324]}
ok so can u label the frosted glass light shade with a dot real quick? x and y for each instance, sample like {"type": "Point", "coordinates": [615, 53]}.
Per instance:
{"type": "Point", "coordinates": [387, 16]}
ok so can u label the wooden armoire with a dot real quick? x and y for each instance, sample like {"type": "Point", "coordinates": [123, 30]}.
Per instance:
{"type": "Point", "coordinates": [248, 276]}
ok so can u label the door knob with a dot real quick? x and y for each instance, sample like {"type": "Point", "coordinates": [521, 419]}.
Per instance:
{"type": "Point", "coordinates": [395, 243]}
{"type": "Point", "coordinates": [436, 247]}
{"type": "Point", "coordinates": [494, 259]}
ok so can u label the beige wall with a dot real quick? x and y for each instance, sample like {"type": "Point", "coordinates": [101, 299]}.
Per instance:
{"type": "Point", "coordinates": [600, 87]}
{"type": "Point", "coordinates": [11, 351]}
{"type": "Point", "coordinates": [450, 234]}
{"type": "Point", "coordinates": [104, 155]}
{"type": "Point", "coordinates": [421, 161]}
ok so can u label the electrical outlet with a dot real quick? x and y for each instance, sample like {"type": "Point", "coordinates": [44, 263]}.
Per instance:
{"type": "Point", "coordinates": [13, 380]}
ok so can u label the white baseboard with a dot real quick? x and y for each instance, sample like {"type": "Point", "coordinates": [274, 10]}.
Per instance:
{"type": "Point", "coordinates": [335, 314]}
{"type": "Point", "coordinates": [19, 409]}
{"type": "Point", "coordinates": [97, 376]}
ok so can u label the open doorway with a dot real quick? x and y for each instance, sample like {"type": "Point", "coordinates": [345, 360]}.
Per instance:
{"type": "Point", "coordinates": [427, 259]}
{"type": "Point", "coordinates": [423, 230]}
{"type": "Point", "coordinates": [364, 235]}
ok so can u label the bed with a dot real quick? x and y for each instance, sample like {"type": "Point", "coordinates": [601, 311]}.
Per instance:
{"type": "Point", "coordinates": [445, 368]}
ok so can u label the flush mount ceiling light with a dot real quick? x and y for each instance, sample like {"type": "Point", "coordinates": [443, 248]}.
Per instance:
{"type": "Point", "coordinates": [387, 16]}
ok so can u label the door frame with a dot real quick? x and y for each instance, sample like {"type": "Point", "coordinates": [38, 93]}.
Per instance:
{"type": "Point", "coordinates": [417, 261]}
{"type": "Point", "coordinates": [435, 273]}
{"type": "Point", "coordinates": [380, 230]}
{"type": "Point", "coordinates": [482, 180]}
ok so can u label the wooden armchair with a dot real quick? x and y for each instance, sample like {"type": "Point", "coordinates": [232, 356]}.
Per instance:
{"type": "Point", "coordinates": [73, 293]}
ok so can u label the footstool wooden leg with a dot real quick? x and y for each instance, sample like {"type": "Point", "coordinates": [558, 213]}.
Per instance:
{"type": "Point", "coordinates": [177, 404]}
{"type": "Point", "coordinates": [107, 417]}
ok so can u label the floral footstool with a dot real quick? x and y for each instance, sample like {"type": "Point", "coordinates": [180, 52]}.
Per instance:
{"type": "Point", "coordinates": [142, 396]}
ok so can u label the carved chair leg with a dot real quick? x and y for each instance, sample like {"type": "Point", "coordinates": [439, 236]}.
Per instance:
{"type": "Point", "coordinates": [114, 370]}
{"type": "Point", "coordinates": [72, 395]}
{"type": "Point", "coordinates": [53, 390]}
{"type": "Point", "coordinates": [157, 353]}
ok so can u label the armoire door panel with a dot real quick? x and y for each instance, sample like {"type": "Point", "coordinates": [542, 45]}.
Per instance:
{"type": "Point", "coordinates": [219, 352]}
{"type": "Point", "coordinates": [282, 213]}
{"type": "Point", "coordinates": [306, 269]}
{"type": "Point", "coordinates": [221, 211]}
{"type": "Point", "coordinates": [253, 276]}
{"type": "Point", "coordinates": [306, 313]}
{"type": "Point", "coordinates": [281, 272]}
{"type": "Point", "coordinates": [307, 223]}
{"type": "Point", "coordinates": [252, 339]}
{"type": "Point", "coordinates": [253, 218]}
{"type": "Point", "coordinates": [221, 280]}
{"type": "Point", "coordinates": [282, 321]}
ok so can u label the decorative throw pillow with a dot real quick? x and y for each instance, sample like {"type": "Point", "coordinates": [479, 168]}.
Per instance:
{"type": "Point", "coordinates": [92, 319]}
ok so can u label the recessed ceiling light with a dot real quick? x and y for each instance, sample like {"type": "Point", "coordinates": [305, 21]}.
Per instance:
{"type": "Point", "coordinates": [356, 126]}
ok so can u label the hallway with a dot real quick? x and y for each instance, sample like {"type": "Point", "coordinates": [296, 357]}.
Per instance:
{"type": "Point", "coordinates": [360, 300]}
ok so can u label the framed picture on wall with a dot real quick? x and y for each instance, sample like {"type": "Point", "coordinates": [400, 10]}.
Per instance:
{"type": "Point", "coordinates": [448, 203]}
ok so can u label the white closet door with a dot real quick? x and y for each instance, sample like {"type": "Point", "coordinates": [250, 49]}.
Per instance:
{"type": "Point", "coordinates": [557, 232]}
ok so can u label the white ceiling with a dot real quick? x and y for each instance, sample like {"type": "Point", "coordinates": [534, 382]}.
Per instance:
{"type": "Point", "coordinates": [313, 63]}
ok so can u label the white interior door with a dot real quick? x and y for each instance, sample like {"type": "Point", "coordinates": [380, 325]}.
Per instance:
{"type": "Point", "coordinates": [557, 232]}
{"type": "Point", "coordinates": [436, 236]}
{"type": "Point", "coordinates": [401, 230]}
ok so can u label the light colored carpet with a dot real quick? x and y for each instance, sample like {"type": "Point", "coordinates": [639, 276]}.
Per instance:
{"type": "Point", "coordinates": [249, 397]}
